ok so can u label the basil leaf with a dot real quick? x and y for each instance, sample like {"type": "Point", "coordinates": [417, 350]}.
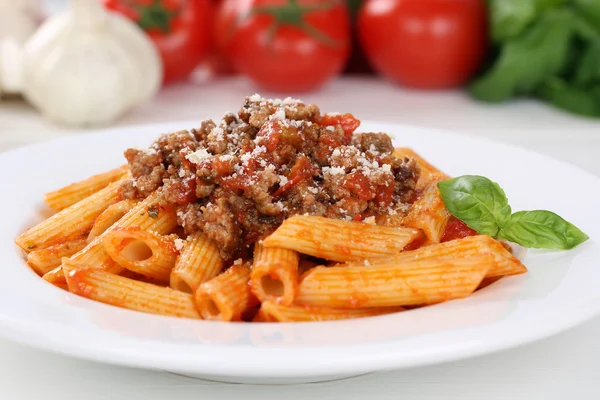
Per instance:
{"type": "Point", "coordinates": [575, 99]}
{"type": "Point", "coordinates": [588, 71]}
{"type": "Point", "coordinates": [477, 201]}
{"type": "Point", "coordinates": [525, 62]}
{"type": "Point", "coordinates": [510, 17]}
{"type": "Point", "coordinates": [590, 9]}
{"type": "Point", "coordinates": [542, 230]}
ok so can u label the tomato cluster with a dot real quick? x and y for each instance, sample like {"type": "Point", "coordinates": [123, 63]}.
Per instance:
{"type": "Point", "coordinates": [298, 45]}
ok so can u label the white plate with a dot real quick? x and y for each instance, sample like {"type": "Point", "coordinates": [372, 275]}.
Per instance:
{"type": "Point", "coordinates": [560, 291]}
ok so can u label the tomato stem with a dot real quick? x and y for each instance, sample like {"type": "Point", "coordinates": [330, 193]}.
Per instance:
{"type": "Point", "coordinates": [292, 13]}
{"type": "Point", "coordinates": [154, 16]}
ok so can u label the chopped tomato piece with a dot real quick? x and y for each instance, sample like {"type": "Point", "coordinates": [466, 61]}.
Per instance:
{"type": "Point", "coordinates": [360, 185]}
{"type": "Point", "coordinates": [384, 195]}
{"type": "Point", "coordinates": [347, 121]}
{"type": "Point", "coordinates": [302, 170]}
{"type": "Point", "coordinates": [456, 229]}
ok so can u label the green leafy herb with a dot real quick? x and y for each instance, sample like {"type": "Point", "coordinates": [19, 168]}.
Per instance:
{"type": "Point", "coordinates": [590, 10]}
{"type": "Point", "coordinates": [525, 63]}
{"type": "Point", "coordinates": [543, 230]}
{"type": "Point", "coordinates": [153, 211]}
{"type": "Point", "coordinates": [572, 98]}
{"type": "Point", "coordinates": [545, 48]}
{"type": "Point", "coordinates": [510, 17]}
{"type": "Point", "coordinates": [483, 206]}
{"type": "Point", "coordinates": [480, 202]}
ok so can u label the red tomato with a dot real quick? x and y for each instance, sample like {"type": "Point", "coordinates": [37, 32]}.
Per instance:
{"type": "Point", "coordinates": [181, 30]}
{"type": "Point", "coordinates": [284, 45]}
{"type": "Point", "coordinates": [428, 44]}
{"type": "Point", "coordinates": [456, 229]}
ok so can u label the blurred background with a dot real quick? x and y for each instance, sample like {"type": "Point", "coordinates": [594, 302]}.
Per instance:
{"type": "Point", "coordinates": [498, 67]}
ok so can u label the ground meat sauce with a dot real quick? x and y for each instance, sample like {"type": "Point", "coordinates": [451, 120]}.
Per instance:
{"type": "Point", "coordinates": [239, 179]}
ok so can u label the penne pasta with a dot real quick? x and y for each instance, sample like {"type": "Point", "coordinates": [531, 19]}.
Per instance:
{"type": "Point", "coordinates": [148, 215]}
{"type": "Point", "coordinates": [67, 196]}
{"type": "Point", "coordinates": [340, 240]}
{"type": "Point", "coordinates": [429, 173]}
{"type": "Point", "coordinates": [261, 316]}
{"type": "Point", "coordinates": [274, 274]}
{"type": "Point", "coordinates": [488, 281]}
{"type": "Point", "coordinates": [45, 260]}
{"type": "Point", "coordinates": [71, 223]}
{"type": "Point", "coordinates": [504, 262]}
{"type": "Point", "coordinates": [274, 312]}
{"type": "Point", "coordinates": [144, 252]}
{"type": "Point", "coordinates": [127, 242]}
{"type": "Point", "coordinates": [199, 262]}
{"type": "Point", "coordinates": [413, 282]}
{"type": "Point", "coordinates": [226, 296]}
{"type": "Point", "coordinates": [109, 217]}
{"type": "Point", "coordinates": [55, 276]}
{"type": "Point", "coordinates": [119, 291]}
{"type": "Point", "coordinates": [429, 214]}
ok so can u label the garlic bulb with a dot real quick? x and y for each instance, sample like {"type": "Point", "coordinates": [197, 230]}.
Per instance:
{"type": "Point", "coordinates": [18, 21]}
{"type": "Point", "coordinates": [88, 66]}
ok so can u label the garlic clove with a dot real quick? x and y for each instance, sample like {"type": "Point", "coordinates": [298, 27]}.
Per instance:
{"type": "Point", "coordinates": [144, 51]}
{"type": "Point", "coordinates": [88, 66]}
{"type": "Point", "coordinates": [18, 21]}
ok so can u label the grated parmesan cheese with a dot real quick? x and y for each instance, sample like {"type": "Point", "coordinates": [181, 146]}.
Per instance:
{"type": "Point", "coordinates": [279, 114]}
{"type": "Point", "coordinates": [370, 220]}
{"type": "Point", "coordinates": [255, 97]}
{"type": "Point", "coordinates": [198, 156]}
{"type": "Point", "coordinates": [334, 170]}
{"type": "Point", "coordinates": [178, 244]}
{"type": "Point", "coordinates": [283, 180]}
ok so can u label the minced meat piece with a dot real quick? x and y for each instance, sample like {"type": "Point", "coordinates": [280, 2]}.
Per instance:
{"type": "Point", "coordinates": [148, 171]}
{"type": "Point", "coordinates": [373, 142]}
{"type": "Point", "coordinates": [238, 179]}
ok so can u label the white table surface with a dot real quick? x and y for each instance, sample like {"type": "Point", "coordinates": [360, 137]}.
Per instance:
{"type": "Point", "coordinates": [565, 365]}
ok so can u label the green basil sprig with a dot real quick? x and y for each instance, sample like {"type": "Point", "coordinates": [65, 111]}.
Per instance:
{"type": "Point", "coordinates": [483, 206]}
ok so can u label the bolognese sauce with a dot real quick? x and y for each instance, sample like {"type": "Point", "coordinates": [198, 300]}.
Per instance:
{"type": "Point", "coordinates": [238, 179]}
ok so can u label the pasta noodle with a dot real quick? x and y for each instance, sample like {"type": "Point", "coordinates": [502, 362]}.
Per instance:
{"type": "Point", "coordinates": [109, 217]}
{"type": "Point", "coordinates": [415, 282]}
{"type": "Point", "coordinates": [161, 220]}
{"type": "Point", "coordinates": [340, 240]}
{"type": "Point", "coordinates": [71, 194]}
{"type": "Point", "coordinates": [274, 312]}
{"type": "Point", "coordinates": [144, 252]}
{"type": "Point", "coordinates": [274, 274]}
{"type": "Point", "coordinates": [119, 291]}
{"type": "Point", "coordinates": [45, 260]}
{"type": "Point", "coordinates": [227, 296]}
{"type": "Point", "coordinates": [199, 262]}
{"type": "Point", "coordinates": [504, 262]}
{"type": "Point", "coordinates": [429, 214]}
{"type": "Point", "coordinates": [71, 223]}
